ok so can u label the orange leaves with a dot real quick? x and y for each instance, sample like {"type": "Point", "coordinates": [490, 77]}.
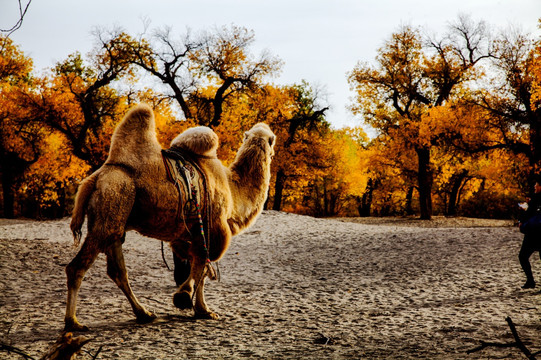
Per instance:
{"type": "Point", "coordinates": [224, 54]}
{"type": "Point", "coordinates": [536, 74]}
{"type": "Point", "coordinates": [349, 160]}
{"type": "Point", "coordinates": [18, 136]}
{"type": "Point", "coordinates": [54, 171]}
{"type": "Point", "coordinates": [15, 67]}
{"type": "Point", "coordinates": [414, 96]}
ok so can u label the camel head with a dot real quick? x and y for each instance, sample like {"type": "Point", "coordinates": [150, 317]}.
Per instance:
{"type": "Point", "coordinates": [260, 136]}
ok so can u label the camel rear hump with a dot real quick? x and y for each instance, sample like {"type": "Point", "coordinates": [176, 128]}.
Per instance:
{"type": "Point", "coordinates": [133, 144]}
{"type": "Point", "coordinates": [134, 138]}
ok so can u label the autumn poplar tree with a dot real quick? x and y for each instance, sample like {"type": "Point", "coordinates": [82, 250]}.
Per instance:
{"type": "Point", "coordinates": [19, 138]}
{"type": "Point", "coordinates": [80, 101]}
{"type": "Point", "coordinates": [225, 62]}
{"type": "Point", "coordinates": [340, 172]}
{"type": "Point", "coordinates": [202, 72]}
{"type": "Point", "coordinates": [412, 76]}
{"type": "Point", "coordinates": [303, 118]}
{"type": "Point", "coordinates": [513, 100]}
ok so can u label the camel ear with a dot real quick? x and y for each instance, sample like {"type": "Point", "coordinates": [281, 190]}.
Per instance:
{"type": "Point", "coordinates": [271, 140]}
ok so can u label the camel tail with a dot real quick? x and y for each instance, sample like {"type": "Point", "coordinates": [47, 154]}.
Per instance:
{"type": "Point", "coordinates": [86, 188]}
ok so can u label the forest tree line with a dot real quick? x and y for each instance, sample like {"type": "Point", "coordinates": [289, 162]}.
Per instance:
{"type": "Point", "coordinates": [456, 119]}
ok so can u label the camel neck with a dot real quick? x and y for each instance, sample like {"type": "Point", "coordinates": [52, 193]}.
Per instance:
{"type": "Point", "coordinates": [250, 175]}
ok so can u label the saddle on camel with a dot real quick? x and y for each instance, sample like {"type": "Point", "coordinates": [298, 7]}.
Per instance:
{"type": "Point", "coordinates": [136, 190]}
{"type": "Point", "coordinates": [183, 170]}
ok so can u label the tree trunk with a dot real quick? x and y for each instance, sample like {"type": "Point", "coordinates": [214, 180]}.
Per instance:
{"type": "Point", "coordinates": [366, 200]}
{"type": "Point", "coordinates": [278, 190]}
{"type": "Point", "coordinates": [424, 177]}
{"type": "Point", "coordinates": [534, 118]}
{"type": "Point", "coordinates": [333, 204]}
{"type": "Point", "coordinates": [409, 201]}
{"type": "Point", "coordinates": [9, 197]}
{"type": "Point", "coordinates": [455, 192]}
{"type": "Point", "coordinates": [325, 199]}
{"type": "Point", "coordinates": [217, 102]}
{"type": "Point", "coordinates": [317, 210]}
{"type": "Point", "coordinates": [61, 208]}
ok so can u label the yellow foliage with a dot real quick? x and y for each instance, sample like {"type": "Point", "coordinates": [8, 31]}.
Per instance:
{"type": "Point", "coordinates": [54, 173]}
{"type": "Point", "coordinates": [535, 101]}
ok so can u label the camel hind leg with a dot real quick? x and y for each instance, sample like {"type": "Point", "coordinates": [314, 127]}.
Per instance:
{"type": "Point", "coordinates": [194, 285]}
{"type": "Point", "coordinates": [219, 240]}
{"type": "Point", "coordinates": [108, 210]}
{"type": "Point", "coordinates": [182, 298]}
{"type": "Point", "coordinates": [116, 269]}
{"type": "Point", "coordinates": [75, 272]}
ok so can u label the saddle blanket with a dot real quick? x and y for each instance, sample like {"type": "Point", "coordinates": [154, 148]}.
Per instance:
{"type": "Point", "coordinates": [183, 171]}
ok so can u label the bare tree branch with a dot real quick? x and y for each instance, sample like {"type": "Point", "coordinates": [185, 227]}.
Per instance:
{"type": "Point", "coordinates": [19, 23]}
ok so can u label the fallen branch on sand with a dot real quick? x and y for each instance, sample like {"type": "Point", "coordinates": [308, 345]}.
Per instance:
{"type": "Point", "coordinates": [66, 347]}
{"type": "Point", "coordinates": [518, 343]}
{"type": "Point", "coordinates": [11, 349]}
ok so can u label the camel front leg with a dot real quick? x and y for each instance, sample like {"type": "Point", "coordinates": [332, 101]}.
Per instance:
{"type": "Point", "coordinates": [220, 239]}
{"type": "Point", "coordinates": [201, 309]}
{"type": "Point", "coordinates": [116, 269]}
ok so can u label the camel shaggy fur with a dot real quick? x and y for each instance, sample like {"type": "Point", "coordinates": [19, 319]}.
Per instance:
{"type": "Point", "coordinates": [131, 192]}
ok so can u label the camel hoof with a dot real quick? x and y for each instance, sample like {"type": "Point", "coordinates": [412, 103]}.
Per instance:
{"type": "Point", "coordinates": [146, 318]}
{"type": "Point", "coordinates": [207, 315]}
{"type": "Point", "coordinates": [182, 300]}
{"type": "Point", "coordinates": [75, 326]}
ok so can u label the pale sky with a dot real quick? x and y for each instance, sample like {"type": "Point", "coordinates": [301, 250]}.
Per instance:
{"type": "Point", "coordinates": [318, 41]}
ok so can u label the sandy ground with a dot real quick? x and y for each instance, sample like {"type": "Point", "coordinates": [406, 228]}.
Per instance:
{"type": "Point", "coordinates": [291, 287]}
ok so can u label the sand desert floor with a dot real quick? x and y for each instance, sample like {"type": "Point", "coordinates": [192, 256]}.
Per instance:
{"type": "Point", "coordinates": [291, 287]}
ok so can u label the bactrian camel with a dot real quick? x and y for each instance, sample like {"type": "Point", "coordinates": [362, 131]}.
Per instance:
{"type": "Point", "coordinates": [131, 192]}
